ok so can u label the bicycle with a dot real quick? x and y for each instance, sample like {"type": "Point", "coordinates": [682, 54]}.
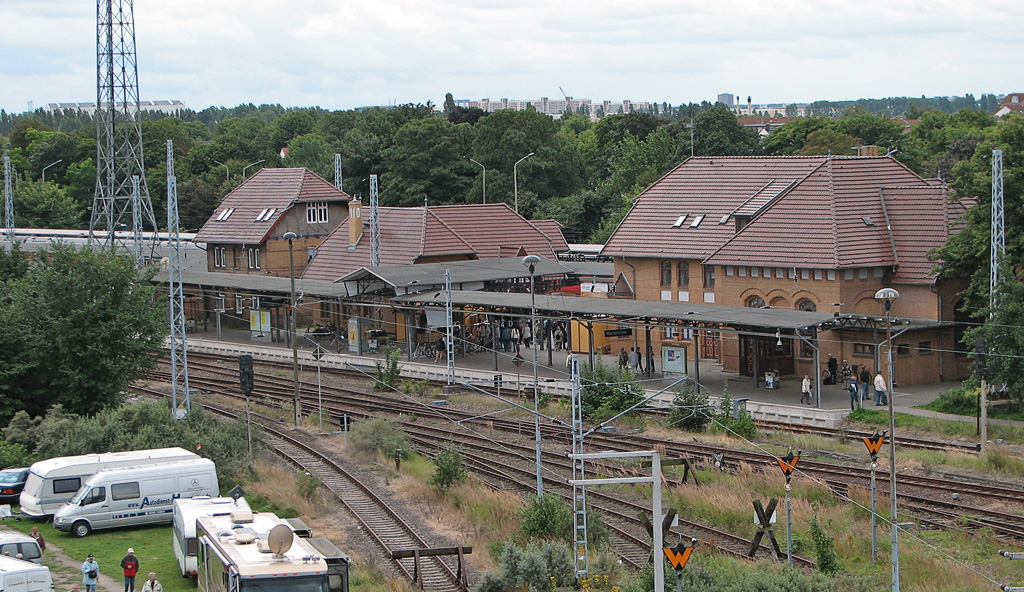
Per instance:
{"type": "Point", "coordinates": [424, 349]}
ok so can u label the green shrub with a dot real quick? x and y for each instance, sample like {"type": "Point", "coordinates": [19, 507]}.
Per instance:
{"type": "Point", "coordinates": [690, 410]}
{"type": "Point", "coordinates": [546, 517]}
{"type": "Point", "coordinates": [387, 370]}
{"type": "Point", "coordinates": [533, 567]}
{"type": "Point", "coordinates": [449, 470]}
{"type": "Point", "coordinates": [379, 434]}
{"type": "Point", "coordinates": [824, 549]}
{"type": "Point", "coordinates": [307, 484]}
{"type": "Point", "coordinates": [608, 392]}
{"type": "Point", "coordinates": [14, 455]}
{"type": "Point", "coordinates": [415, 387]}
{"type": "Point", "coordinates": [958, 401]}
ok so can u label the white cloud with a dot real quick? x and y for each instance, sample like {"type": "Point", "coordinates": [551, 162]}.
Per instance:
{"type": "Point", "coordinates": [341, 54]}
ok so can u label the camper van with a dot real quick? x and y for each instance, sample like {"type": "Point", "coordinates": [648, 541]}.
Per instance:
{"type": "Point", "coordinates": [185, 514]}
{"type": "Point", "coordinates": [259, 552]}
{"type": "Point", "coordinates": [24, 576]}
{"type": "Point", "coordinates": [51, 483]}
{"type": "Point", "coordinates": [135, 495]}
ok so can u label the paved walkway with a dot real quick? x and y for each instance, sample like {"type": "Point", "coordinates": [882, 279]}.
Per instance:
{"type": "Point", "coordinates": [781, 402]}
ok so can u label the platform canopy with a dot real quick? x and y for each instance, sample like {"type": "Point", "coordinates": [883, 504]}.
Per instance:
{"type": "Point", "coordinates": [627, 311]}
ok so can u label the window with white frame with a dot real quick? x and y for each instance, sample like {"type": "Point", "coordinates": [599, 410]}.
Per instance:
{"type": "Point", "coordinates": [316, 212]}
{"type": "Point", "coordinates": [220, 257]}
{"type": "Point", "coordinates": [254, 258]}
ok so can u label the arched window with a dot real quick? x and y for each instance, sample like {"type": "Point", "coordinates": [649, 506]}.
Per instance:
{"type": "Point", "coordinates": [666, 273]}
{"type": "Point", "coordinates": [684, 274]}
{"type": "Point", "coordinates": [755, 302]}
{"type": "Point", "coordinates": [807, 305]}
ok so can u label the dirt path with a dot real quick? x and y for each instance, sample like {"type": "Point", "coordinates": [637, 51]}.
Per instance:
{"type": "Point", "coordinates": [66, 571]}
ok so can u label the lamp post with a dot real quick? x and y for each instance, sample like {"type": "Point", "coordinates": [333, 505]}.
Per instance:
{"type": "Point", "coordinates": [294, 333]}
{"type": "Point", "coordinates": [246, 167]}
{"type": "Point", "coordinates": [531, 262]}
{"type": "Point", "coordinates": [887, 295]}
{"type": "Point", "coordinates": [485, 176]}
{"type": "Point", "coordinates": [227, 171]}
{"type": "Point", "coordinates": [515, 181]}
{"type": "Point", "coordinates": [48, 166]}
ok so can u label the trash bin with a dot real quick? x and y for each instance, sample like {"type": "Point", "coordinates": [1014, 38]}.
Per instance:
{"type": "Point", "coordinates": [771, 379]}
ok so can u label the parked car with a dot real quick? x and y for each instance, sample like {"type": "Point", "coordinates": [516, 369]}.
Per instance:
{"type": "Point", "coordinates": [12, 481]}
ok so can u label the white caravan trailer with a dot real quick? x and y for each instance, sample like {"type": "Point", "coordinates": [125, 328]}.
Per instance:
{"type": "Point", "coordinates": [259, 552]}
{"type": "Point", "coordinates": [53, 482]}
{"type": "Point", "coordinates": [24, 576]}
{"type": "Point", "coordinates": [186, 512]}
{"type": "Point", "coordinates": [135, 495]}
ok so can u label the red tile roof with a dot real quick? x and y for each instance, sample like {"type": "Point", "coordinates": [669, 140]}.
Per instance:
{"type": "Point", "coordinates": [409, 235]}
{"type": "Point", "coordinates": [820, 222]}
{"type": "Point", "coordinates": [268, 189]}
{"type": "Point", "coordinates": [713, 187]}
{"type": "Point", "coordinates": [922, 218]}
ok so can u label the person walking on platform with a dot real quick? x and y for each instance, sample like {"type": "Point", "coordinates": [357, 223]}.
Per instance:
{"type": "Point", "coordinates": [633, 360]}
{"type": "Point", "coordinates": [881, 396]}
{"type": "Point", "coordinates": [623, 358]}
{"type": "Point", "coordinates": [505, 337]}
{"type": "Point", "coordinates": [805, 390]}
{"type": "Point", "coordinates": [833, 369]}
{"type": "Point", "coordinates": [865, 384]}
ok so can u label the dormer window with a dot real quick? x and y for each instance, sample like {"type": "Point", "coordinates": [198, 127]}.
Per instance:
{"type": "Point", "coordinates": [696, 221]}
{"type": "Point", "coordinates": [316, 212]}
{"type": "Point", "coordinates": [266, 214]}
{"type": "Point", "coordinates": [225, 214]}
{"type": "Point", "coordinates": [679, 221]}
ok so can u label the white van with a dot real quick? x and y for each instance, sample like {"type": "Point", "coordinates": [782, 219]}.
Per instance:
{"type": "Point", "coordinates": [186, 512]}
{"type": "Point", "coordinates": [23, 576]}
{"type": "Point", "coordinates": [13, 542]}
{"type": "Point", "coordinates": [135, 495]}
{"type": "Point", "coordinates": [51, 483]}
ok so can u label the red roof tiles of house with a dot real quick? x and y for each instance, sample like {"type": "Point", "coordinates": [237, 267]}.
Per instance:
{"type": "Point", "coordinates": [414, 235]}
{"type": "Point", "coordinates": [690, 212]}
{"type": "Point", "coordinates": [496, 230]}
{"type": "Point", "coordinates": [265, 195]}
{"type": "Point", "coordinates": [836, 218]}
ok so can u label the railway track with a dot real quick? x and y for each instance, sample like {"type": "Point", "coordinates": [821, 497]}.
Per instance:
{"type": "Point", "coordinates": [388, 530]}
{"type": "Point", "coordinates": [839, 477]}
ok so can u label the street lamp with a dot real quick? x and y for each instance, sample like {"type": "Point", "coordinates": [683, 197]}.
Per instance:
{"type": "Point", "coordinates": [246, 167]}
{"type": "Point", "coordinates": [295, 334]}
{"type": "Point", "coordinates": [531, 262]}
{"type": "Point", "coordinates": [48, 166]}
{"type": "Point", "coordinates": [227, 171]}
{"type": "Point", "coordinates": [485, 176]}
{"type": "Point", "coordinates": [887, 295]}
{"type": "Point", "coordinates": [515, 181]}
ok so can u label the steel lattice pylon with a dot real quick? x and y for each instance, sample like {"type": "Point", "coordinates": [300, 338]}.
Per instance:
{"type": "Point", "coordinates": [998, 230]}
{"type": "Point", "coordinates": [8, 205]}
{"type": "Point", "coordinates": [581, 548]}
{"type": "Point", "coordinates": [337, 172]}
{"type": "Point", "coordinates": [374, 223]}
{"type": "Point", "coordinates": [179, 353]}
{"type": "Point", "coordinates": [118, 124]}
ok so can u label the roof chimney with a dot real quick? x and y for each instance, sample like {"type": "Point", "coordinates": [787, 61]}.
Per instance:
{"type": "Point", "coordinates": [355, 221]}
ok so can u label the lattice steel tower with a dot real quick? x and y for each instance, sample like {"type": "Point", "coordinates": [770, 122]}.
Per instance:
{"type": "Point", "coordinates": [118, 124]}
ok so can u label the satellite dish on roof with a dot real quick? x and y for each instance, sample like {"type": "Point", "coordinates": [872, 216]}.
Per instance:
{"type": "Point", "coordinates": [280, 539]}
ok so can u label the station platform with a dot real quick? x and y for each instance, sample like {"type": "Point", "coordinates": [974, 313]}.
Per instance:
{"type": "Point", "coordinates": [482, 368]}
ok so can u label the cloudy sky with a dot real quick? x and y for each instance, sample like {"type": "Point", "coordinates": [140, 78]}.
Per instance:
{"type": "Point", "coordinates": [339, 54]}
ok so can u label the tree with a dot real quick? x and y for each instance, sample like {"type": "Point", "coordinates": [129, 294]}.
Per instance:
{"type": "Point", "coordinates": [717, 133]}
{"type": "Point", "coordinates": [313, 152]}
{"type": "Point", "coordinates": [75, 328]}
{"type": "Point", "coordinates": [45, 205]}
{"type": "Point", "coordinates": [428, 160]}
{"type": "Point", "coordinates": [792, 136]}
{"type": "Point", "coordinates": [828, 141]}
{"type": "Point", "coordinates": [1004, 336]}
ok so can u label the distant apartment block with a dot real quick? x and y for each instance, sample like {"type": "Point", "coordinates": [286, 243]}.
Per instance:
{"type": "Point", "coordinates": [90, 108]}
{"type": "Point", "coordinates": [555, 107]}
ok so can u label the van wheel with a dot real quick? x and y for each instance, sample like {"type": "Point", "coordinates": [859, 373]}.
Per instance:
{"type": "Point", "coordinates": [80, 529]}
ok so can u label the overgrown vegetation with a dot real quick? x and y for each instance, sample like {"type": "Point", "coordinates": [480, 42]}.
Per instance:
{"type": "Point", "coordinates": [14, 455]}
{"type": "Point", "coordinates": [739, 425]}
{"type": "Point", "coordinates": [608, 391]}
{"type": "Point", "coordinates": [449, 469]}
{"type": "Point", "coordinates": [307, 484]}
{"type": "Point", "coordinates": [387, 370]}
{"type": "Point", "coordinates": [824, 549]}
{"type": "Point", "coordinates": [690, 410]}
{"type": "Point", "coordinates": [379, 434]}
{"type": "Point", "coordinates": [137, 426]}
{"type": "Point", "coordinates": [536, 566]}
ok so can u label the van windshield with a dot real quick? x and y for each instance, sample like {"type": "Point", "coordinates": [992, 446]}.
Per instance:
{"type": "Point", "coordinates": [34, 484]}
